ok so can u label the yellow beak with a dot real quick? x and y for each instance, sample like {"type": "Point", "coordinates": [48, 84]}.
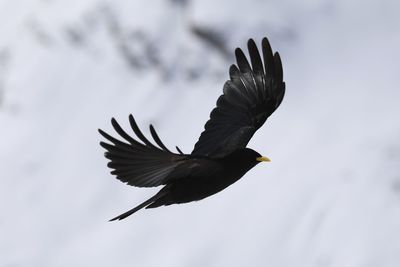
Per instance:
{"type": "Point", "coordinates": [263, 159]}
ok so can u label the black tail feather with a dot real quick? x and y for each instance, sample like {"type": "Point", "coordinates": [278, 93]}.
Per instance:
{"type": "Point", "coordinates": [141, 206]}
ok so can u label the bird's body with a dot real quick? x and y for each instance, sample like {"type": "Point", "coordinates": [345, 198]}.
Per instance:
{"type": "Point", "coordinates": [207, 177]}
{"type": "Point", "coordinates": [220, 157]}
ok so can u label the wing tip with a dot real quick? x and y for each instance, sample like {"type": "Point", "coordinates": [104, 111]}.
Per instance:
{"type": "Point", "coordinates": [103, 144]}
{"type": "Point", "coordinates": [265, 41]}
{"type": "Point", "coordinates": [266, 46]}
{"type": "Point", "coordinates": [251, 42]}
{"type": "Point", "coordinates": [103, 133]}
{"type": "Point", "coordinates": [238, 52]}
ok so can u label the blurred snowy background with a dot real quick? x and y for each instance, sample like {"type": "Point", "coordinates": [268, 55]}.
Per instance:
{"type": "Point", "coordinates": [330, 197]}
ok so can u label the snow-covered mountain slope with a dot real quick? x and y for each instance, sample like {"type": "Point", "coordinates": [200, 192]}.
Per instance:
{"type": "Point", "coordinates": [330, 197]}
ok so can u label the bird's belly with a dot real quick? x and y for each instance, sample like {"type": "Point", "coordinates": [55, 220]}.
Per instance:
{"type": "Point", "coordinates": [194, 189]}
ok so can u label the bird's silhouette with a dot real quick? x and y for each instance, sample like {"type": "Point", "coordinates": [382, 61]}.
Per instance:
{"type": "Point", "coordinates": [220, 157]}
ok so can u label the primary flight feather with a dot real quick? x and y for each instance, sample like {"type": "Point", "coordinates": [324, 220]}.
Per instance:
{"type": "Point", "coordinates": [220, 157]}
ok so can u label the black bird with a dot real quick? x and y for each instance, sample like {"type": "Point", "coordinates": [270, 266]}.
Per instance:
{"type": "Point", "coordinates": [220, 156]}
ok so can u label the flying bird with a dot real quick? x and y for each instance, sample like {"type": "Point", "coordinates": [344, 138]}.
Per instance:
{"type": "Point", "coordinates": [220, 157]}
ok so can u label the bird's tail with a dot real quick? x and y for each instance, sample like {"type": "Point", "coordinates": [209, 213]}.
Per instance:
{"type": "Point", "coordinates": [141, 206]}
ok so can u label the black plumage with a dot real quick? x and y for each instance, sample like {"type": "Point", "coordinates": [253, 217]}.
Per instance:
{"type": "Point", "coordinates": [220, 156]}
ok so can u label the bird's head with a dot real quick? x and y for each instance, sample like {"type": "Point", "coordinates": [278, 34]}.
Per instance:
{"type": "Point", "coordinates": [246, 157]}
{"type": "Point", "coordinates": [253, 156]}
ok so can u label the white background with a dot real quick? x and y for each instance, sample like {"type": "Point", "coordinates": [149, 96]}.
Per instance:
{"type": "Point", "coordinates": [330, 197]}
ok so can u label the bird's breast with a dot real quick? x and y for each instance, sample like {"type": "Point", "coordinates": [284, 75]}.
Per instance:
{"type": "Point", "coordinates": [195, 188]}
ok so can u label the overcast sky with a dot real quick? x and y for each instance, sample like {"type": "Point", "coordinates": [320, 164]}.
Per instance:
{"type": "Point", "coordinates": [330, 196]}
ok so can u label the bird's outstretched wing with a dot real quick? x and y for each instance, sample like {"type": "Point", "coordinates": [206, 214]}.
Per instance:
{"type": "Point", "coordinates": [251, 95]}
{"type": "Point", "coordinates": [141, 164]}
